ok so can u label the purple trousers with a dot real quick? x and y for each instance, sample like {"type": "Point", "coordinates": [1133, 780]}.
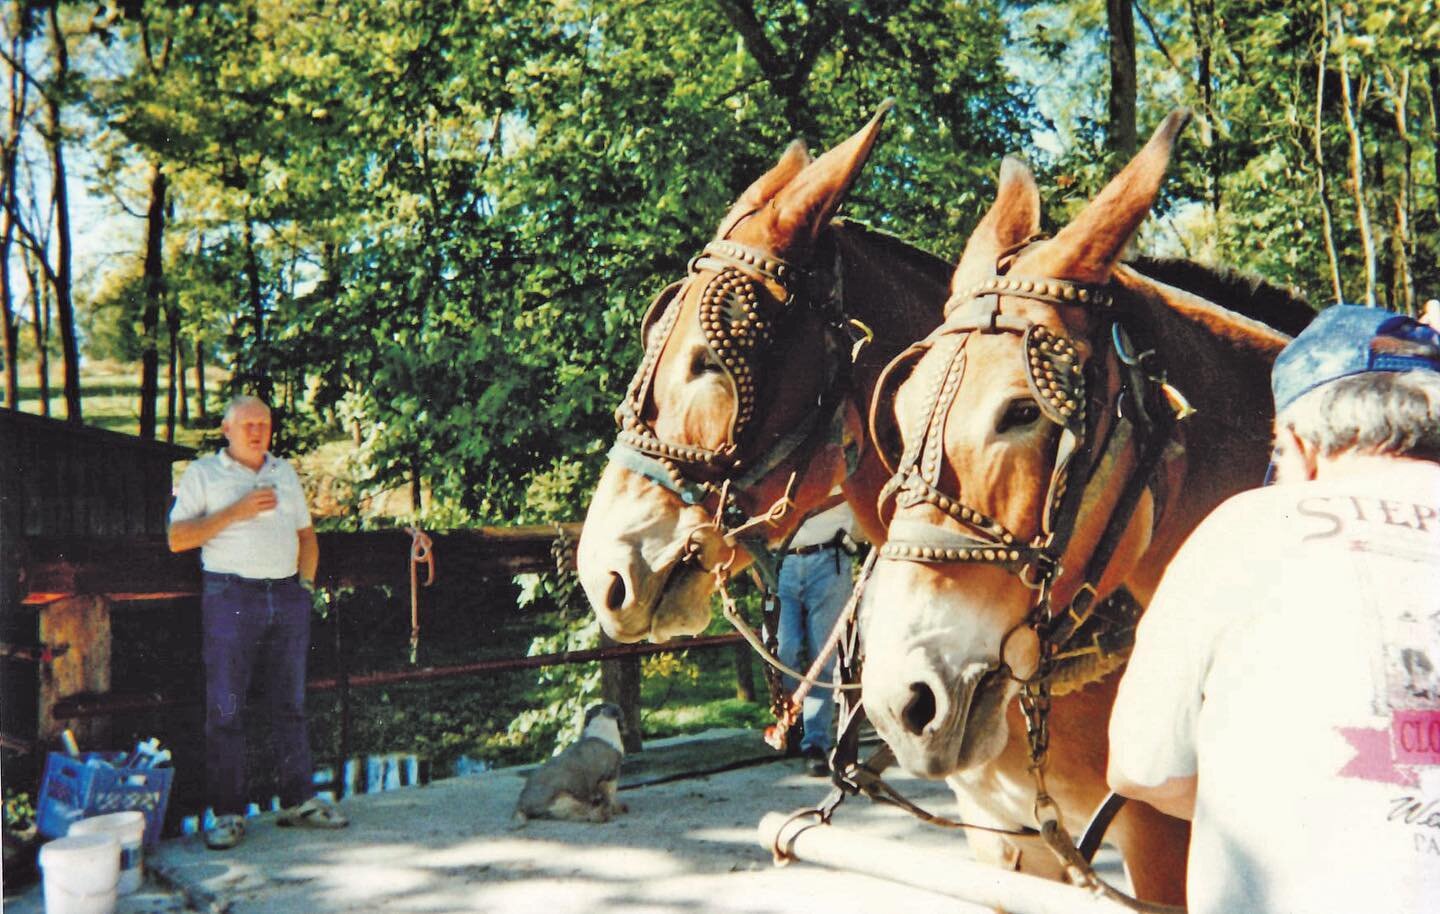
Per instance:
{"type": "Point", "coordinates": [255, 628]}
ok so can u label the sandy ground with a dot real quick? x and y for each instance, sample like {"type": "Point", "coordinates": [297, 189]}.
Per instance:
{"type": "Point", "coordinates": [687, 844]}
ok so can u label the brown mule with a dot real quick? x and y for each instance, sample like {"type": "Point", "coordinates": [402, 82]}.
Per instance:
{"type": "Point", "coordinates": [747, 380]}
{"type": "Point", "coordinates": [1015, 460]}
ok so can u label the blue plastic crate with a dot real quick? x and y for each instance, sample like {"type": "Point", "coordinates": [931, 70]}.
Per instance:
{"type": "Point", "coordinates": [73, 790]}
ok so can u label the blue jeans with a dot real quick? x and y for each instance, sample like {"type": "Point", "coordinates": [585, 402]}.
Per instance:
{"type": "Point", "coordinates": [813, 590]}
{"type": "Point", "coordinates": [255, 628]}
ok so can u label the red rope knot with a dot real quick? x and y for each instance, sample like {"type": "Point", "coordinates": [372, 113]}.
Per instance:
{"type": "Point", "coordinates": [422, 552]}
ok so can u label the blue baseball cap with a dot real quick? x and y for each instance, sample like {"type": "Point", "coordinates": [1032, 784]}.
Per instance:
{"type": "Point", "coordinates": [1346, 340]}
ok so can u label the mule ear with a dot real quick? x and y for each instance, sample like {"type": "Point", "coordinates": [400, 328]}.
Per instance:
{"type": "Point", "coordinates": [1088, 248]}
{"type": "Point", "coordinates": [804, 207]}
{"type": "Point", "coordinates": [791, 163]}
{"type": "Point", "coordinates": [1012, 218]}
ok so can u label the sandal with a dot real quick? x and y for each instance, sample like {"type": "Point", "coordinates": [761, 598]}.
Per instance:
{"type": "Point", "coordinates": [225, 832]}
{"type": "Point", "coordinates": [313, 813]}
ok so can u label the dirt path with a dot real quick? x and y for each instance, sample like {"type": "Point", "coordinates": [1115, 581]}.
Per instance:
{"type": "Point", "coordinates": [686, 845]}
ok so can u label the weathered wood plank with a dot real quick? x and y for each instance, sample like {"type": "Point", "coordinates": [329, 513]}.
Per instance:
{"type": "Point", "coordinates": [140, 565]}
{"type": "Point", "coordinates": [82, 625]}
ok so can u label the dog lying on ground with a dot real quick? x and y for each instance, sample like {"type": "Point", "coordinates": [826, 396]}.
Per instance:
{"type": "Point", "coordinates": [580, 782]}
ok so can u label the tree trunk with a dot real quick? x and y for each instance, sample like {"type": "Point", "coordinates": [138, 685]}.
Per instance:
{"type": "Point", "coordinates": [1122, 138]}
{"type": "Point", "coordinates": [9, 331]}
{"type": "Point", "coordinates": [171, 381]}
{"type": "Point", "coordinates": [1329, 222]}
{"type": "Point", "coordinates": [40, 296]}
{"type": "Point", "coordinates": [1435, 134]}
{"type": "Point", "coordinates": [259, 363]}
{"type": "Point", "coordinates": [64, 305]}
{"type": "Point", "coordinates": [1357, 169]}
{"type": "Point", "coordinates": [1202, 24]}
{"type": "Point", "coordinates": [180, 379]}
{"type": "Point", "coordinates": [39, 315]}
{"type": "Point", "coordinates": [154, 284]}
{"type": "Point", "coordinates": [11, 335]}
{"type": "Point", "coordinates": [200, 407]}
{"type": "Point", "coordinates": [1403, 285]}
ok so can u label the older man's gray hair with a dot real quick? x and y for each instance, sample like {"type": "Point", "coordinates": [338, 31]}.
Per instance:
{"type": "Point", "coordinates": [1394, 413]}
{"type": "Point", "coordinates": [243, 401]}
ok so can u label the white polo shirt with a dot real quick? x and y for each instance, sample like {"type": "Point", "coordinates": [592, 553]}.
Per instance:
{"type": "Point", "coordinates": [823, 527]}
{"type": "Point", "coordinates": [264, 546]}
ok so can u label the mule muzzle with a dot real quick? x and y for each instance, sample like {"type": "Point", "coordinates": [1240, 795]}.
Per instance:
{"type": "Point", "coordinates": [938, 718]}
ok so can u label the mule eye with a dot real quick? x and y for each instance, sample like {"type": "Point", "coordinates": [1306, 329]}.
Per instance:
{"type": "Point", "coordinates": [702, 361]}
{"type": "Point", "coordinates": [1019, 414]}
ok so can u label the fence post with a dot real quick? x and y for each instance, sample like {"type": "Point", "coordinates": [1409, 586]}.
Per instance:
{"type": "Point", "coordinates": [83, 623]}
{"type": "Point", "coordinates": [744, 673]}
{"type": "Point", "coordinates": [620, 684]}
{"type": "Point", "coordinates": [342, 675]}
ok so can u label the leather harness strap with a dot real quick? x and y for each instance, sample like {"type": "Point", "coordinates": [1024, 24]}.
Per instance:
{"type": "Point", "coordinates": [739, 315]}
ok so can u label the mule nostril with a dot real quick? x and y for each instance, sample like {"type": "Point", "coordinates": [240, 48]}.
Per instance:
{"type": "Point", "coordinates": [920, 709]}
{"type": "Point", "coordinates": [615, 594]}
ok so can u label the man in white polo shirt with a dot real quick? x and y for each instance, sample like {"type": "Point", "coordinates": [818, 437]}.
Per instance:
{"type": "Point", "coordinates": [244, 509]}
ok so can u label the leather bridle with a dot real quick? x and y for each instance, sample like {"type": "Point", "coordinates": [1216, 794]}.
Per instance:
{"type": "Point", "coordinates": [740, 318]}
{"type": "Point", "coordinates": [1072, 393]}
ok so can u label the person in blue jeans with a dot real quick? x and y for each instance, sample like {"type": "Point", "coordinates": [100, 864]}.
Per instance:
{"type": "Point", "coordinates": [243, 507]}
{"type": "Point", "coordinates": [815, 583]}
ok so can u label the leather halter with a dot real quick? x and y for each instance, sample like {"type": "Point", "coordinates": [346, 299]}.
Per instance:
{"type": "Point", "coordinates": [1062, 387]}
{"type": "Point", "coordinates": [738, 317]}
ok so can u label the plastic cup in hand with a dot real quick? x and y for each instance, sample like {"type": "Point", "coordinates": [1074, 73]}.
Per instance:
{"type": "Point", "coordinates": [264, 484]}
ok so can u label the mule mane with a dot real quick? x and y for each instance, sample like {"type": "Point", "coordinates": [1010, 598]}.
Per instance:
{"type": "Point", "coordinates": [895, 247]}
{"type": "Point", "coordinates": [1246, 294]}
{"type": "Point", "coordinates": [908, 307]}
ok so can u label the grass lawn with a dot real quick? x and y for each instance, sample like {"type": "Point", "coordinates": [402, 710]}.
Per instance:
{"type": "Point", "coordinates": [110, 396]}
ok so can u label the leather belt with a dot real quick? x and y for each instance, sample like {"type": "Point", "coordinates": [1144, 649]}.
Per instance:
{"type": "Point", "coordinates": [811, 550]}
{"type": "Point", "coordinates": [258, 583]}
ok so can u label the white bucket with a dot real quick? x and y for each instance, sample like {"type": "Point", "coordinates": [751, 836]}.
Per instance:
{"type": "Point", "coordinates": [129, 829]}
{"type": "Point", "coordinates": [81, 874]}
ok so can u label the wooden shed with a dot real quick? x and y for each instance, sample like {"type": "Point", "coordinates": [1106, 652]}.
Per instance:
{"type": "Point", "coordinates": [71, 487]}
{"type": "Point", "coordinates": [62, 479]}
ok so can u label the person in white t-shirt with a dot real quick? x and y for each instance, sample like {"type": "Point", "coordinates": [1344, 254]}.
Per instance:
{"type": "Point", "coordinates": [244, 509]}
{"type": "Point", "coordinates": [1283, 692]}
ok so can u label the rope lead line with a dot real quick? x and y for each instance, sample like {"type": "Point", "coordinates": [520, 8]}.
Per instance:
{"type": "Point", "coordinates": [808, 680]}
{"type": "Point", "coordinates": [422, 552]}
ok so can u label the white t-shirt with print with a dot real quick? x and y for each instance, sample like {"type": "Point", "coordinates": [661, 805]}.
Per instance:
{"type": "Point", "coordinates": [264, 546]}
{"type": "Point", "coordinates": [1291, 660]}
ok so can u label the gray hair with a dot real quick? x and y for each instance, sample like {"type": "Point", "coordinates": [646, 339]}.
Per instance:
{"type": "Point", "coordinates": [240, 402]}
{"type": "Point", "coordinates": [1394, 413]}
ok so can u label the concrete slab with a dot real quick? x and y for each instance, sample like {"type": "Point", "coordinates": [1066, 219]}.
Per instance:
{"type": "Point", "coordinates": [687, 844]}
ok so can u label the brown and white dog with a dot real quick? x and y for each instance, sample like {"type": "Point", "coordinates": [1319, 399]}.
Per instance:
{"type": "Point", "coordinates": [580, 782]}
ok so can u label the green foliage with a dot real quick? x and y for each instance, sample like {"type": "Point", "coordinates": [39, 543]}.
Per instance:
{"type": "Point", "coordinates": [440, 222]}
{"type": "Point", "coordinates": [19, 811]}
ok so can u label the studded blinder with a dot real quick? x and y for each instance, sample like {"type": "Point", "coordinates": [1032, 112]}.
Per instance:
{"type": "Point", "coordinates": [1056, 376]}
{"type": "Point", "coordinates": [738, 332]}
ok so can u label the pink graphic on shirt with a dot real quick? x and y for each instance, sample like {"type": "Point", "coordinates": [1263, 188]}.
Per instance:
{"type": "Point", "coordinates": [1373, 759]}
{"type": "Point", "coordinates": [1416, 736]}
